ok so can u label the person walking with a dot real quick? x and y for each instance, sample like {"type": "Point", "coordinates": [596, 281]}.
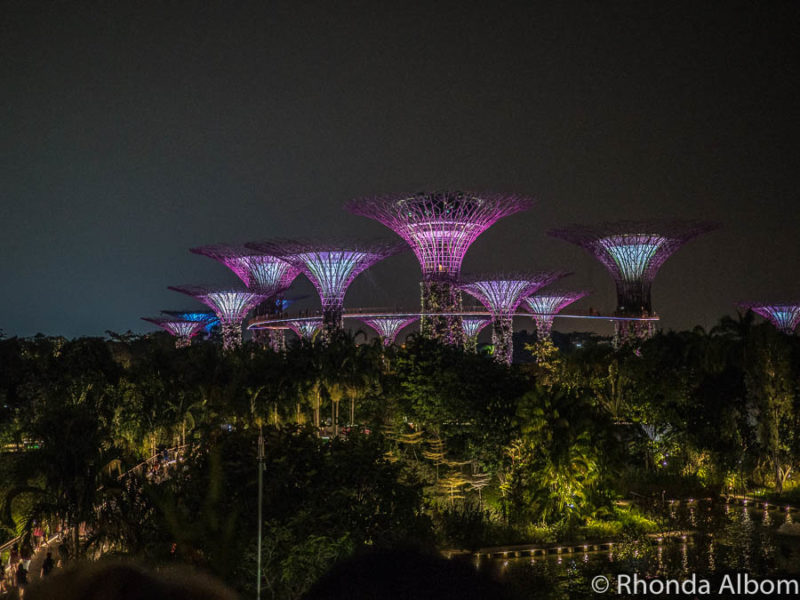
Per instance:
{"type": "Point", "coordinates": [48, 565]}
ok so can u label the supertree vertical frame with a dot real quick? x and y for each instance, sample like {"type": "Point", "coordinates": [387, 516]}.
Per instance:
{"type": "Point", "coordinates": [305, 329]}
{"type": "Point", "coordinates": [389, 326]}
{"type": "Point", "coordinates": [544, 306]}
{"type": "Point", "coordinates": [472, 327]}
{"type": "Point", "coordinates": [633, 252]}
{"type": "Point", "coordinates": [785, 317]}
{"type": "Point", "coordinates": [230, 305]}
{"type": "Point", "coordinates": [440, 227]}
{"type": "Point", "coordinates": [183, 330]}
{"type": "Point", "coordinates": [331, 268]}
{"type": "Point", "coordinates": [501, 295]}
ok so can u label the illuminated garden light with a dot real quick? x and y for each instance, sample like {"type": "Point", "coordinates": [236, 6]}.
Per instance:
{"type": "Point", "coordinates": [472, 326]}
{"type": "Point", "coordinates": [305, 329]}
{"type": "Point", "coordinates": [207, 317]}
{"type": "Point", "coordinates": [331, 268]}
{"type": "Point", "coordinates": [501, 295]}
{"type": "Point", "coordinates": [183, 330]}
{"type": "Point", "coordinates": [545, 306]}
{"type": "Point", "coordinates": [230, 305]}
{"type": "Point", "coordinates": [785, 317]}
{"type": "Point", "coordinates": [388, 327]}
{"type": "Point", "coordinates": [440, 227]}
{"type": "Point", "coordinates": [633, 252]}
{"type": "Point", "coordinates": [258, 271]}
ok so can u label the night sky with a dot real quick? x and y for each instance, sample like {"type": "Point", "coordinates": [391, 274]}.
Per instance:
{"type": "Point", "coordinates": [131, 131]}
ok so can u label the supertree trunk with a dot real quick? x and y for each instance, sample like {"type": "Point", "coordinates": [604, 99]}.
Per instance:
{"type": "Point", "coordinates": [502, 332]}
{"type": "Point", "coordinates": [441, 297]}
{"type": "Point", "coordinates": [471, 344]}
{"type": "Point", "coordinates": [277, 340]}
{"type": "Point", "coordinates": [260, 336]}
{"type": "Point", "coordinates": [231, 335]}
{"type": "Point", "coordinates": [632, 333]}
{"type": "Point", "coordinates": [331, 323]}
{"type": "Point", "coordinates": [182, 342]}
{"type": "Point", "coordinates": [544, 326]}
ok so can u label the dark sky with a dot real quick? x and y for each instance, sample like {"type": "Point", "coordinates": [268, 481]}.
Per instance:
{"type": "Point", "coordinates": [130, 132]}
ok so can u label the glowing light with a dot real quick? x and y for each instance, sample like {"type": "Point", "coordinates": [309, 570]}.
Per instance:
{"type": "Point", "coordinates": [230, 306]}
{"type": "Point", "coordinates": [388, 327]}
{"type": "Point", "coordinates": [305, 329]}
{"type": "Point", "coordinates": [501, 297]}
{"type": "Point", "coordinates": [259, 272]}
{"type": "Point", "coordinates": [207, 317]}
{"type": "Point", "coordinates": [546, 305]}
{"type": "Point", "coordinates": [785, 317]}
{"type": "Point", "coordinates": [183, 330]}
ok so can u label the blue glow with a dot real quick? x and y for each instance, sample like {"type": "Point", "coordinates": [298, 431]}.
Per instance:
{"type": "Point", "coordinates": [632, 253]}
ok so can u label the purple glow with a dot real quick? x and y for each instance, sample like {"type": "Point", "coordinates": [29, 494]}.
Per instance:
{"type": "Point", "coordinates": [439, 226]}
{"type": "Point", "coordinates": [305, 329]}
{"type": "Point", "coordinates": [785, 317]}
{"type": "Point", "coordinates": [474, 325]}
{"type": "Point", "coordinates": [502, 296]}
{"type": "Point", "coordinates": [183, 330]}
{"type": "Point", "coordinates": [259, 272]}
{"type": "Point", "coordinates": [388, 327]}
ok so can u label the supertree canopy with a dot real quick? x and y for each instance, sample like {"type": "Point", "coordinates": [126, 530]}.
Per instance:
{"type": "Point", "coordinates": [544, 306]}
{"type": "Point", "coordinates": [501, 295]}
{"type": "Point", "coordinates": [260, 272]}
{"type": "Point", "coordinates": [207, 317]}
{"type": "Point", "coordinates": [331, 268]}
{"type": "Point", "coordinates": [389, 326]}
{"type": "Point", "coordinates": [183, 330]}
{"type": "Point", "coordinates": [305, 328]}
{"type": "Point", "coordinates": [230, 305]}
{"type": "Point", "coordinates": [633, 252]}
{"type": "Point", "coordinates": [440, 227]}
{"type": "Point", "coordinates": [472, 326]}
{"type": "Point", "coordinates": [785, 317]}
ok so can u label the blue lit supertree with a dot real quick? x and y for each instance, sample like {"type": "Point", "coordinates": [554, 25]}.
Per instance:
{"type": "Point", "coordinates": [182, 329]}
{"type": "Point", "coordinates": [785, 317]}
{"type": "Point", "coordinates": [389, 326]}
{"type": "Point", "coordinates": [331, 267]}
{"type": "Point", "coordinates": [544, 306]}
{"type": "Point", "coordinates": [472, 327]}
{"type": "Point", "coordinates": [633, 252]}
{"type": "Point", "coordinates": [230, 305]}
{"type": "Point", "coordinates": [501, 295]}
{"type": "Point", "coordinates": [440, 227]}
{"type": "Point", "coordinates": [207, 317]}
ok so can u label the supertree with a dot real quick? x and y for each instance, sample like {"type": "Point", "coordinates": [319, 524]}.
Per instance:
{"type": "Point", "coordinates": [472, 327]}
{"type": "Point", "coordinates": [501, 295]}
{"type": "Point", "coordinates": [389, 326]}
{"type": "Point", "coordinates": [544, 306]}
{"type": "Point", "coordinates": [440, 227]}
{"type": "Point", "coordinates": [207, 317]}
{"type": "Point", "coordinates": [633, 252]}
{"type": "Point", "coordinates": [183, 330]}
{"type": "Point", "coordinates": [260, 272]}
{"type": "Point", "coordinates": [331, 267]}
{"type": "Point", "coordinates": [230, 305]}
{"type": "Point", "coordinates": [785, 317]}
{"type": "Point", "coordinates": [305, 329]}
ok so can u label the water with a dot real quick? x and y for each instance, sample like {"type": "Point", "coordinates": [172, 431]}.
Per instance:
{"type": "Point", "coordinates": [730, 538]}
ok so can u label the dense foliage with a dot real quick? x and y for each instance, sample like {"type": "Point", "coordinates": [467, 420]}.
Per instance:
{"type": "Point", "coordinates": [368, 446]}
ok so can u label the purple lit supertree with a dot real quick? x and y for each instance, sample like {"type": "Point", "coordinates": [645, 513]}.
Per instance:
{"type": "Point", "coordinates": [472, 327]}
{"type": "Point", "coordinates": [305, 329]}
{"type": "Point", "coordinates": [389, 326]}
{"type": "Point", "coordinates": [440, 227]}
{"type": "Point", "coordinates": [260, 272]}
{"type": "Point", "coordinates": [230, 305]}
{"type": "Point", "coordinates": [331, 268]}
{"type": "Point", "coordinates": [544, 306]}
{"type": "Point", "coordinates": [785, 317]}
{"type": "Point", "coordinates": [501, 295]}
{"type": "Point", "coordinates": [633, 252]}
{"type": "Point", "coordinates": [182, 329]}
